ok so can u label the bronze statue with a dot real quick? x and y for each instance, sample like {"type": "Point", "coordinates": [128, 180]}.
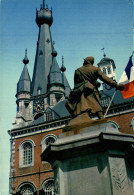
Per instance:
{"type": "Point", "coordinates": [85, 95]}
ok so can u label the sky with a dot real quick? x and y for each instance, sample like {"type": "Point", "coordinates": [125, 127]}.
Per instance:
{"type": "Point", "coordinates": [80, 28]}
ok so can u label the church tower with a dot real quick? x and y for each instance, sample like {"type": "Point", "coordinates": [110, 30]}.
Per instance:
{"type": "Point", "coordinates": [23, 95]}
{"type": "Point", "coordinates": [49, 85]}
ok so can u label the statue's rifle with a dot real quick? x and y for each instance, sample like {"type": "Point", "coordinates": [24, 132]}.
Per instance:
{"type": "Point", "coordinates": [110, 104]}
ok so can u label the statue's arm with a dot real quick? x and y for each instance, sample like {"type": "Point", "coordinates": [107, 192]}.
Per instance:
{"type": "Point", "coordinates": [107, 80]}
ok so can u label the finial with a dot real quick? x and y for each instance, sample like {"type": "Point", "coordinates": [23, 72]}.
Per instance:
{"type": "Point", "coordinates": [63, 69]}
{"type": "Point", "coordinates": [103, 52]}
{"type": "Point", "coordinates": [26, 60]}
{"type": "Point", "coordinates": [41, 7]}
{"type": "Point", "coordinates": [43, 4]}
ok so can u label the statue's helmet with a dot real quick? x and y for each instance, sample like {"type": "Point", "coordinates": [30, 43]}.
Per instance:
{"type": "Point", "coordinates": [89, 60]}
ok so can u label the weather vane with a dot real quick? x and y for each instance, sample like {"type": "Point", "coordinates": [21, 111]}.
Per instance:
{"type": "Point", "coordinates": [103, 52]}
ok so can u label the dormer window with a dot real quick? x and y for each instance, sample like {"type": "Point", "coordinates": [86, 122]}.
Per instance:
{"type": "Point", "coordinates": [39, 90]}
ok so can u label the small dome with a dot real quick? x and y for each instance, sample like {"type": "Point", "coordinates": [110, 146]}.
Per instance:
{"type": "Point", "coordinates": [44, 16]}
{"type": "Point", "coordinates": [63, 68]}
{"type": "Point", "coordinates": [26, 60]}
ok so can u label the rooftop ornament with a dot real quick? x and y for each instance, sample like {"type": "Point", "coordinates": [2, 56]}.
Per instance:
{"type": "Point", "coordinates": [26, 60]}
{"type": "Point", "coordinates": [63, 68]}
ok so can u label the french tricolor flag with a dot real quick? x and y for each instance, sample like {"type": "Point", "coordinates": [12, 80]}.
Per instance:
{"type": "Point", "coordinates": [127, 79]}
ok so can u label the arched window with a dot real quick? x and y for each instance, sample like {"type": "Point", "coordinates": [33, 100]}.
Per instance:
{"type": "Point", "coordinates": [48, 187]}
{"type": "Point", "coordinates": [109, 70]}
{"type": "Point", "coordinates": [26, 153]}
{"type": "Point", "coordinates": [104, 71]}
{"type": "Point", "coordinates": [48, 140]}
{"type": "Point", "coordinates": [114, 126]}
{"type": "Point", "coordinates": [26, 188]}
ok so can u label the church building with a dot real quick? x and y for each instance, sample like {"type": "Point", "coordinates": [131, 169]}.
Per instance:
{"type": "Point", "coordinates": [41, 112]}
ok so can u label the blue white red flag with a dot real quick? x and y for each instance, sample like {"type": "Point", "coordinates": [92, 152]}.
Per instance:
{"type": "Point", "coordinates": [127, 79]}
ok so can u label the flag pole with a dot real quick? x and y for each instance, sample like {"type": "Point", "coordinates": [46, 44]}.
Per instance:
{"type": "Point", "coordinates": [109, 104]}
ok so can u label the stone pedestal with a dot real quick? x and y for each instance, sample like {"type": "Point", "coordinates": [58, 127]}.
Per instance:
{"type": "Point", "coordinates": [92, 161]}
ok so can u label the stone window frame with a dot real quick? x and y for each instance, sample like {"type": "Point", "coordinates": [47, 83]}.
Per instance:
{"type": "Point", "coordinates": [104, 70]}
{"type": "Point", "coordinates": [43, 144]}
{"type": "Point", "coordinates": [109, 71]}
{"type": "Point", "coordinates": [44, 185]}
{"type": "Point", "coordinates": [21, 155]}
{"type": "Point", "coordinates": [115, 125]}
{"type": "Point", "coordinates": [25, 184]}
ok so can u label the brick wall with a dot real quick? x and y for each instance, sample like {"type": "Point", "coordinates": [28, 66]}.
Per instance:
{"type": "Point", "coordinates": [37, 173]}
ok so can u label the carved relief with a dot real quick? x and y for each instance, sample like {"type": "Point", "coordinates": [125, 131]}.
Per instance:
{"type": "Point", "coordinates": [119, 174]}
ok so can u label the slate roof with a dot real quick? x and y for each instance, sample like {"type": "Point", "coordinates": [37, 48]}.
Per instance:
{"type": "Point", "coordinates": [43, 58]}
{"type": "Point", "coordinates": [106, 61]}
{"type": "Point", "coordinates": [66, 84]}
{"type": "Point", "coordinates": [118, 99]}
{"type": "Point", "coordinates": [55, 76]}
{"type": "Point", "coordinates": [59, 111]}
{"type": "Point", "coordinates": [24, 84]}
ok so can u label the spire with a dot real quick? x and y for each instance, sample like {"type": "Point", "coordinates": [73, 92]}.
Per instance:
{"type": "Point", "coordinates": [24, 83]}
{"type": "Point", "coordinates": [43, 58]}
{"type": "Point", "coordinates": [55, 76]}
{"type": "Point", "coordinates": [43, 4]}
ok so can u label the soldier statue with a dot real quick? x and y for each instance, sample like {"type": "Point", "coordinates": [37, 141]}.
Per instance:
{"type": "Point", "coordinates": [85, 95]}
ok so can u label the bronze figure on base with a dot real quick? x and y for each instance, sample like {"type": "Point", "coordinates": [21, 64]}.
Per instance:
{"type": "Point", "coordinates": [85, 95]}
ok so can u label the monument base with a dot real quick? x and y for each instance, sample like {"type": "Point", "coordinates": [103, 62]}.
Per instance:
{"type": "Point", "coordinates": [92, 161]}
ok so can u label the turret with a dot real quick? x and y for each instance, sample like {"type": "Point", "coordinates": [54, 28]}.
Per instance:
{"type": "Point", "coordinates": [55, 84]}
{"type": "Point", "coordinates": [108, 67]}
{"type": "Point", "coordinates": [24, 91]}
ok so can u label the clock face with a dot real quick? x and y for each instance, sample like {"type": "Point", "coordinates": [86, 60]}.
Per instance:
{"type": "Point", "coordinates": [38, 105]}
